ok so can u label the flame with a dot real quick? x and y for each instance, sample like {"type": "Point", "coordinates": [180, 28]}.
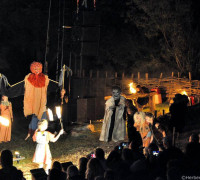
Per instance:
{"type": "Point", "coordinates": [58, 111]}
{"type": "Point", "coordinates": [4, 121]}
{"type": "Point", "coordinates": [184, 93]}
{"type": "Point", "coordinates": [132, 89]}
{"type": "Point", "coordinates": [16, 153]}
{"type": "Point", "coordinates": [50, 114]}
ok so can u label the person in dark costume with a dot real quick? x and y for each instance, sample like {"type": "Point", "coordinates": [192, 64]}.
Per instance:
{"type": "Point", "coordinates": [141, 101]}
{"type": "Point", "coordinates": [130, 111]}
{"type": "Point", "coordinates": [178, 112]}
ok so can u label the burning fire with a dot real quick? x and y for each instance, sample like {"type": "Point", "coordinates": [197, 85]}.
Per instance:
{"type": "Point", "coordinates": [132, 89]}
{"type": "Point", "coordinates": [4, 121]}
{"type": "Point", "coordinates": [184, 93]}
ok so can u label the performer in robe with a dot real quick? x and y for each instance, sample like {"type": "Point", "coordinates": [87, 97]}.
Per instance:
{"type": "Point", "coordinates": [34, 87]}
{"type": "Point", "coordinates": [6, 112]}
{"type": "Point", "coordinates": [113, 127]}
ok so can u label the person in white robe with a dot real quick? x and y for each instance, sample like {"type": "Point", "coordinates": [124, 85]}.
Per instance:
{"type": "Point", "coordinates": [113, 127]}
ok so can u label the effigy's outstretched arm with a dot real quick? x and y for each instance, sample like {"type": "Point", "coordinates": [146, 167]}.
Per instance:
{"type": "Point", "coordinates": [16, 90]}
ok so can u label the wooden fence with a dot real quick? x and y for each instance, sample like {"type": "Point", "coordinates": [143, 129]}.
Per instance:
{"type": "Point", "coordinates": [98, 84]}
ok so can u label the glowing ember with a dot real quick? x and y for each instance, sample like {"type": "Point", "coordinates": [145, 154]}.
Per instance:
{"type": "Point", "coordinates": [132, 89]}
{"type": "Point", "coordinates": [58, 111]}
{"type": "Point", "coordinates": [4, 121]}
{"type": "Point", "coordinates": [50, 114]}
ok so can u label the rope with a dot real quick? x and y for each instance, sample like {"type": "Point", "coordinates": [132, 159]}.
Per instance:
{"type": "Point", "coordinates": [58, 48]}
{"type": "Point", "coordinates": [53, 81]}
{"type": "Point", "coordinates": [16, 83]}
{"type": "Point", "coordinates": [47, 41]}
{"type": "Point", "coordinates": [63, 34]}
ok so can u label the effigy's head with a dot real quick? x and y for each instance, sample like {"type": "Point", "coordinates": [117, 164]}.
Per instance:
{"type": "Point", "coordinates": [36, 67]}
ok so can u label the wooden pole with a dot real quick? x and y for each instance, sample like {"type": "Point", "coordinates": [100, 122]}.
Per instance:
{"type": "Point", "coordinates": [146, 76]}
{"type": "Point", "coordinates": [138, 76]}
{"type": "Point", "coordinates": [123, 75]}
{"type": "Point", "coordinates": [161, 74]}
{"type": "Point", "coordinates": [115, 77]}
{"type": "Point", "coordinates": [190, 76]}
{"type": "Point", "coordinates": [132, 76]}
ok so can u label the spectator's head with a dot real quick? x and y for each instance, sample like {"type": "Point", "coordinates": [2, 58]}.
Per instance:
{"type": "Point", "coordinates": [54, 174]}
{"type": "Point", "coordinates": [173, 174]}
{"type": "Point", "coordinates": [72, 171]}
{"type": "Point", "coordinates": [127, 155]}
{"type": "Point", "coordinates": [99, 153]}
{"type": "Point", "coordinates": [192, 151]}
{"type": "Point", "coordinates": [4, 98]}
{"type": "Point", "coordinates": [138, 166]}
{"type": "Point", "coordinates": [194, 138]}
{"type": "Point", "coordinates": [66, 165]}
{"type": "Point", "coordinates": [113, 159]}
{"type": "Point", "coordinates": [174, 163]}
{"type": "Point", "coordinates": [109, 175]}
{"type": "Point", "coordinates": [167, 142]}
{"type": "Point", "coordinates": [139, 119]}
{"type": "Point", "coordinates": [57, 165]}
{"type": "Point", "coordinates": [116, 92]}
{"type": "Point", "coordinates": [83, 165]}
{"type": "Point", "coordinates": [6, 158]}
{"type": "Point", "coordinates": [149, 117]}
{"type": "Point", "coordinates": [94, 168]}
{"type": "Point", "coordinates": [136, 143]}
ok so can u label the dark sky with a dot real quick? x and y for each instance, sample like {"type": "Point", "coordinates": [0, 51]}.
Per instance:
{"type": "Point", "coordinates": [123, 46]}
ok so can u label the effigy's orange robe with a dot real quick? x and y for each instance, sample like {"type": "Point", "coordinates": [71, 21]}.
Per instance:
{"type": "Point", "coordinates": [35, 98]}
{"type": "Point", "coordinates": [6, 112]}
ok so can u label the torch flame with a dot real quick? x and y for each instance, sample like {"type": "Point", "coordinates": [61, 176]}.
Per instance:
{"type": "Point", "coordinates": [16, 153]}
{"type": "Point", "coordinates": [4, 121]}
{"type": "Point", "coordinates": [132, 89]}
{"type": "Point", "coordinates": [50, 114]}
{"type": "Point", "coordinates": [184, 93]}
{"type": "Point", "coordinates": [58, 111]}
